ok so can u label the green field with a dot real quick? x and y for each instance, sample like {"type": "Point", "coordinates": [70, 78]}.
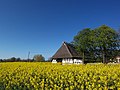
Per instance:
{"type": "Point", "coordinates": [48, 76]}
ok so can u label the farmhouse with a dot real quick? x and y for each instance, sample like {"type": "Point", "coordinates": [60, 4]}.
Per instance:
{"type": "Point", "coordinates": [118, 59]}
{"type": "Point", "coordinates": [67, 55]}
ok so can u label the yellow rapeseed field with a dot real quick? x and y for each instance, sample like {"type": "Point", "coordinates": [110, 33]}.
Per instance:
{"type": "Point", "coordinates": [48, 76]}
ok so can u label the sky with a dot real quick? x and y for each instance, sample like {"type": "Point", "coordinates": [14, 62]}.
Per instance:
{"type": "Point", "coordinates": [40, 26]}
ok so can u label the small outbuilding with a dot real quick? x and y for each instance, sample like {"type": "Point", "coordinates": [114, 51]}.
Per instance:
{"type": "Point", "coordinates": [66, 54]}
{"type": "Point", "coordinates": [118, 59]}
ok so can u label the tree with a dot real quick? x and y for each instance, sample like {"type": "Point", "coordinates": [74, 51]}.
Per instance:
{"type": "Point", "coordinates": [82, 42]}
{"type": "Point", "coordinates": [102, 43]}
{"type": "Point", "coordinates": [39, 58]}
{"type": "Point", "coordinates": [18, 59]}
{"type": "Point", "coordinates": [106, 42]}
{"type": "Point", "coordinates": [13, 59]}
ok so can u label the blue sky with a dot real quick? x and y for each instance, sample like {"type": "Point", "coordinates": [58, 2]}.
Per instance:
{"type": "Point", "coordinates": [40, 26]}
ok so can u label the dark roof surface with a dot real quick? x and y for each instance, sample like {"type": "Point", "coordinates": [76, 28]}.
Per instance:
{"type": "Point", "coordinates": [66, 51]}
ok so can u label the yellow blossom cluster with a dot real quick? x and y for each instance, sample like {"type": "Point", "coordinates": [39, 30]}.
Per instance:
{"type": "Point", "coordinates": [48, 76]}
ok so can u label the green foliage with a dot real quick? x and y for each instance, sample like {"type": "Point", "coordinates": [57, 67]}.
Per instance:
{"type": "Point", "coordinates": [82, 42]}
{"type": "Point", "coordinates": [100, 43]}
{"type": "Point", "coordinates": [48, 76]}
{"type": "Point", "coordinates": [13, 59]}
{"type": "Point", "coordinates": [106, 42]}
{"type": "Point", "coordinates": [39, 58]}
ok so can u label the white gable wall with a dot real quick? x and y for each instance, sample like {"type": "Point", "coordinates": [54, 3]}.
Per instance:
{"type": "Point", "coordinates": [118, 59]}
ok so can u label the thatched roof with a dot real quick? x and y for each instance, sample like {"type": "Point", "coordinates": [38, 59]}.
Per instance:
{"type": "Point", "coordinates": [66, 51]}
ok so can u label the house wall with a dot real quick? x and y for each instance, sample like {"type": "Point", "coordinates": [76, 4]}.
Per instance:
{"type": "Point", "coordinates": [118, 59]}
{"type": "Point", "coordinates": [77, 61]}
{"type": "Point", "coordinates": [69, 61]}
{"type": "Point", "coordinates": [54, 61]}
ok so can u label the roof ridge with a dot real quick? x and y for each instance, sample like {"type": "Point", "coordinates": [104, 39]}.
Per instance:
{"type": "Point", "coordinates": [67, 49]}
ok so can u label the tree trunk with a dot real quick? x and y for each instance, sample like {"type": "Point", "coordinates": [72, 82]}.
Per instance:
{"type": "Point", "coordinates": [104, 57]}
{"type": "Point", "coordinates": [83, 58]}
